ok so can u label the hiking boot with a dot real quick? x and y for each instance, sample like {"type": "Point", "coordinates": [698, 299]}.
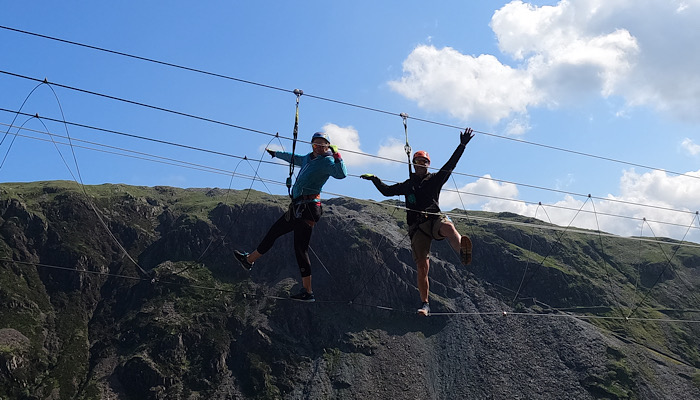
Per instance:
{"type": "Point", "coordinates": [303, 296]}
{"type": "Point", "coordinates": [243, 259]}
{"type": "Point", "coordinates": [424, 310]}
{"type": "Point", "coordinates": [465, 250]}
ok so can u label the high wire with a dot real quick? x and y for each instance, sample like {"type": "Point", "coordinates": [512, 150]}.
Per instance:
{"type": "Point", "coordinates": [83, 188]}
{"type": "Point", "coordinates": [373, 109]}
{"type": "Point", "coordinates": [349, 151]}
{"type": "Point", "coordinates": [503, 313]}
{"type": "Point", "coordinates": [200, 167]}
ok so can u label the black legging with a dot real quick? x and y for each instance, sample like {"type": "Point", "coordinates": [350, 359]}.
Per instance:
{"type": "Point", "coordinates": [295, 220]}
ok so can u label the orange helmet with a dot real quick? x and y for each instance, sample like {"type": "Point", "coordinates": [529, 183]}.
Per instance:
{"type": "Point", "coordinates": [421, 153]}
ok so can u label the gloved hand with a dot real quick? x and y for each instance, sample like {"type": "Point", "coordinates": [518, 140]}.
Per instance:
{"type": "Point", "coordinates": [271, 152]}
{"type": "Point", "coordinates": [334, 150]}
{"type": "Point", "coordinates": [369, 177]}
{"type": "Point", "coordinates": [466, 136]}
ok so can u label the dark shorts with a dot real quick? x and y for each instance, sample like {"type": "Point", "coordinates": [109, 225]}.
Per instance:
{"type": "Point", "coordinates": [423, 234]}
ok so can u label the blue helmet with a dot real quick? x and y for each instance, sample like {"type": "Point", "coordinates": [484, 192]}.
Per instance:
{"type": "Point", "coordinates": [321, 135]}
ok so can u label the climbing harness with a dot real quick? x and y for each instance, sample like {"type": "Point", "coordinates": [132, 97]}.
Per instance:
{"type": "Point", "coordinates": [297, 92]}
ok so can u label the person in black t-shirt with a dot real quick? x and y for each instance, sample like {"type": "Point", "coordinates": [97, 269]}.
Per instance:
{"type": "Point", "coordinates": [424, 218]}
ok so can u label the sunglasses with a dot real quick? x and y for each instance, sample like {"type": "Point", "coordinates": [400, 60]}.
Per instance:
{"type": "Point", "coordinates": [320, 144]}
{"type": "Point", "coordinates": [421, 161]}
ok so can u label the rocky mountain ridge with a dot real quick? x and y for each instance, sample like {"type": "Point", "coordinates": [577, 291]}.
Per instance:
{"type": "Point", "coordinates": [80, 320]}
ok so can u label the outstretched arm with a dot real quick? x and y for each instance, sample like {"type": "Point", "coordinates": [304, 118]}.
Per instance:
{"type": "Point", "coordinates": [289, 157]}
{"type": "Point", "coordinates": [388, 190]}
{"type": "Point", "coordinates": [464, 138]}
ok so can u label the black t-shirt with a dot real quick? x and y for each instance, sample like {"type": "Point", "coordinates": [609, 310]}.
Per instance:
{"type": "Point", "coordinates": [422, 193]}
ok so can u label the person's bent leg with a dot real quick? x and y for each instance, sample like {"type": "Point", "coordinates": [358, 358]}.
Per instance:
{"type": "Point", "coordinates": [279, 228]}
{"type": "Point", "coordinates": [448, 230]}
{"type": "Point", "coordinates": [460, 244]}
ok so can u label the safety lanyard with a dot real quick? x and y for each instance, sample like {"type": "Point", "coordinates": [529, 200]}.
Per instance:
{"type": "Point", "coordinates": [297, 92]}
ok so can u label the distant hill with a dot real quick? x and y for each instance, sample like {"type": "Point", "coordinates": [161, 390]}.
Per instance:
{"type": "Point", "coordinates": [80, 320]}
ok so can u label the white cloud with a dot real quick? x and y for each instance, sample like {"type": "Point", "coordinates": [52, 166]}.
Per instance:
{"type": "Point", "coordinates": [466, 87]}
{"type": "Point", "coordinates": [667, 202]}
{"type": "Point", "coordinates": [348, 141]}
{"type": "Point", "coordinates": [640, 51]}
{"type": "Point", "coordinates": [392, 149]}
{"type": "Point", "coordinates": [474, 192]}
{"type": "Point", "coordinates": [690, 147]}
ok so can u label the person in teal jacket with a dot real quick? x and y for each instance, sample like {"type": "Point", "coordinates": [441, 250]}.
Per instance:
{"type": "Point", "coordinates": [305, 210]}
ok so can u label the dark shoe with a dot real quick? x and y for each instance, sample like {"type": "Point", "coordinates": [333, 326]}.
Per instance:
{"type": "Point", "coordinates": [303, 296]}
{"type": "Point", "coordinates": [465, 250]}
{"type": "Point", "coordinates": [243, 259]}
{"type": "Point", "coordinates": [424, 310]}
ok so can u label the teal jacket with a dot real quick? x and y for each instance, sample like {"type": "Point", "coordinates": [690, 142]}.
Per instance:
{"type": "Point", "coordinates": [315, 171]}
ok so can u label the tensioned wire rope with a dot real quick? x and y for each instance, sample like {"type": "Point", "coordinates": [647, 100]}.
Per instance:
{"type": "Point", "coordinates": [45, 82]}
{"type": "Point", "coordinates": [76, 165]}
{"type": "Point", "coordinates": [373, 109]}
{"type": "Point", "coordinates": [522, 284]}
{"type": "Point", "coordinates": [210, 120]}
{"type": "Point", "coordinates": [79, 179]}
{"type": "Point", "coordinates": [561, 313]}
{"type": "Point", "coordinates": [388, 159]}
{"type": "Point", "coordinates": [175, 162]}
{"type": "Point", "coordinates": [503, 313]}
{"type": "Point", "coordinates": [257, 131]}
{"type": "Point", "coordinates": [352, 300]}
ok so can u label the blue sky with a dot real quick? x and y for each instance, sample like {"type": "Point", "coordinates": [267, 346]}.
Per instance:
{"type": "Point", "coordinates": [616, 80]}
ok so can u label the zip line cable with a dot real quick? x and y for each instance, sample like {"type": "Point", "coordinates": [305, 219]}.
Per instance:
{"type": "Point", "coordinates": [210, 243]}
{"type": "Point", "coordinates": [200, 167]}
{"type": "Point", "coordinates": [204, 168]}
{"type": "Point", "coordinates": [354, 152]}
{"type": "Point", "coordinates": [350, 151]}
{"type": "Point", "coordinates": [87, 197]}
{"type": "Point", "coordinates": [296, 125]}
{"type": "Point", "coordinates": [200, 71]}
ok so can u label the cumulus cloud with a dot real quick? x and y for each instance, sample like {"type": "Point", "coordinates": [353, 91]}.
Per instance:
{"type": "Point", "coordinates": [667, 202]}
{"type": "Point", "coordinates": [474, 193]}
{"type": "Point", "coordinates": [637, 50]}
{"type": "Point", "coordinates": [465, 86]}
{"type": "Point", "coordinates": [348, 140]}
{"type": "Point", "coordinates": [391, 149]}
